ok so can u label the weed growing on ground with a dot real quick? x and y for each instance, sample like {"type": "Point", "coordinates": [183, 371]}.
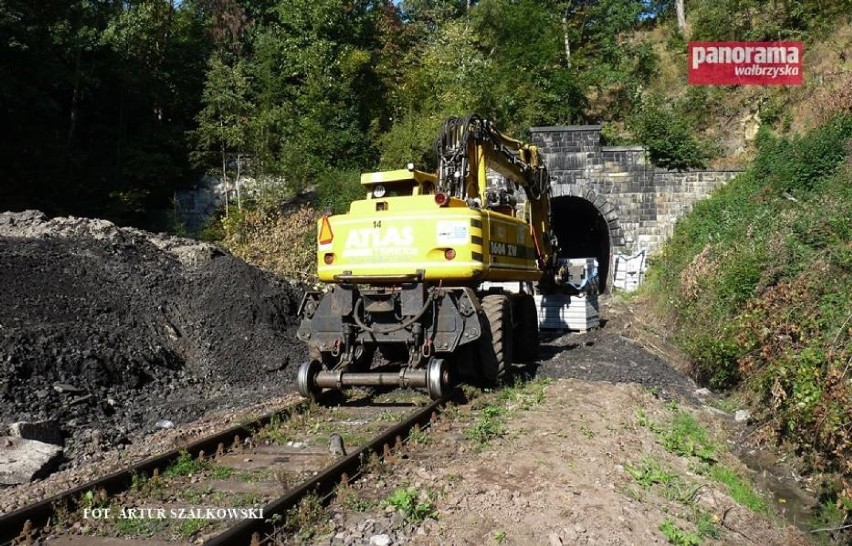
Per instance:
{"type": "Point", "coordinates": [707, 525]}
{"type": "Point", "coordinates": [137, 481]}
{"type": "Point", "coordinates": [251, 498]}
{"type": "Point", "coordinates": [92, 499]}
{"type": "Point", "coordinates": [491, 424]}
{"type": "Point", "coordinates": [413, 505]}
{"type": "Point", "coordinates": [678, 536]}
{"type": "Point", "coordinates": [350, 498]}
{"type": "Point", "coordinates": [138, 527]}
{"type": "Point", "coordinates": [192, 496]}
{"type": "Point", "coordinates": [220, 472]}
{"type": "Point", "coordinates": [308, 519]}
{"type": "Point", "coordinates": [185, 465]}
{"type": "Point", "coordinates": [500, 536]}
{"type": "Point", "coordinates": [686, 437]}
{"type": "Point", "coordinates": [375, 465]}
{"type": "Point", "coordinates": [190, 527]}
{"type": "Point", "coordinates": [417, 436]}
{"type": "Point", "coordinates": [523, 394]}
{"type": "Point", "coordinates": [497, 406]}
{"type": "Point", "coordinates": [650, 472]}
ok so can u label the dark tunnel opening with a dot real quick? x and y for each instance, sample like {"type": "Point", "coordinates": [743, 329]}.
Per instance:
{"type": "Point", "coordinates": [582, 232]}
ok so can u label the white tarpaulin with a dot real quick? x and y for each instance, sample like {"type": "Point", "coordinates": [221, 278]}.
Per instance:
{"type": "Point", "coordinates": [629, 271]}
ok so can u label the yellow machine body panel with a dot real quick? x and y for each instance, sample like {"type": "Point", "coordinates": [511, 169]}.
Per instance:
{"type": "Point", "coordinates": [392, 236]}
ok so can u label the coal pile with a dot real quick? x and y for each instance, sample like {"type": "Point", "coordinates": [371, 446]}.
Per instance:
{"type": "Point", "coordinates": [109, 331]}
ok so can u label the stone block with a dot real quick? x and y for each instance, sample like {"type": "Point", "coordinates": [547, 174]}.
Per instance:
{"type": "Point", "coordinates": [43, 431]}
{"type": "Point", "coordinates": [22, 461]}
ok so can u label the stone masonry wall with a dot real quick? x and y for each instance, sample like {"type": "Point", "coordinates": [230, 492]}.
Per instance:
{"type": "Point", "coordinates": [640, 202]}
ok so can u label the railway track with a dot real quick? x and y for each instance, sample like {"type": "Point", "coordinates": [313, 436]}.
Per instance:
{"type": "Point", "coordinates": [238, 486]}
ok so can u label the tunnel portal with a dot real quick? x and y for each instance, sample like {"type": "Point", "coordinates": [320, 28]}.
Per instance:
{"type": "Point", "coordinates": [582, 232]}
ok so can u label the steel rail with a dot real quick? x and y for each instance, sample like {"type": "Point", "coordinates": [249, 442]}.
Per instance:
{"type": "Point", "coordinates": [36, 515]}
{"type": "Point", "coordinates": [249, 531]}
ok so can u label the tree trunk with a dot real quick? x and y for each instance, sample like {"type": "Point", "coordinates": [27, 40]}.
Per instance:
{"type": "Point", "coordinates": [566, 41]}
{"type": "Point", "coordinates": [75, 101]}
{"type": "Point", "coordinates": [681, 15]}
{"type": "Point", "coordinates": [225, 179]}
{"type": "Point", "coordinates": [237, 184]}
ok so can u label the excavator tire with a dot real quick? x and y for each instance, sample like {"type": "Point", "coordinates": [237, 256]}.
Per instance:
{"type": "Point", "coordinates": [496, 343]}
{"type": "Point", "coordinates": [526, 329]}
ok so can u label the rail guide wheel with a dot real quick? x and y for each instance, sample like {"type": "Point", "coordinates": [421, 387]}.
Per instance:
{"type": "Point", "coordinates": [437, 379]}
{"type": "Point", "coordinates": [306, 379]}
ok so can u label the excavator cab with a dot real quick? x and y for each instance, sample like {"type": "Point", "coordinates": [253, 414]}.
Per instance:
{"type": "Point", "coordinates": [398, 183]}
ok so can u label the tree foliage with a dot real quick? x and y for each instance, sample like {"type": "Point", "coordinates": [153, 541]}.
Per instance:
{"type": "Point", "coordinates": [111, 105]}
{"type": "Point", "coordinates": [96, 99]}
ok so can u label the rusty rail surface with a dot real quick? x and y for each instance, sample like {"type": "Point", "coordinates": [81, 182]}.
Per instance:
{"type": "Point", "coordinates": [256, 531]}
{"type": "Point", "coordinates": [37, 515]}
{"type": "Point", "coordinates": [16, 525]}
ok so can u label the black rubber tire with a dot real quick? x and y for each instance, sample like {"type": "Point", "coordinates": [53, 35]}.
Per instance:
{"type": "Point", "coordinates": [526, 329]}
{"type": "Point", "coordinates": [496, 343]}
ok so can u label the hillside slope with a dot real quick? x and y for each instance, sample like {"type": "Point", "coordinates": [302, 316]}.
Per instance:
{"type": "Point", "coordinates": [756, 284]}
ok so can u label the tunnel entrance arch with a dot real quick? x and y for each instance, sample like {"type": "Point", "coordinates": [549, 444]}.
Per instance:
{"type": "Point", "coordinates": [583, 231]}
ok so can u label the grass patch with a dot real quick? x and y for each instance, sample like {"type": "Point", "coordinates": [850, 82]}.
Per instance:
{"type": "Point", "coordinates": [650, 472]}
{"type": "Point", "coordinates": [497, 406]}
{"type": "Point", "coordinates": [351, 499]}
{"type": "Point", "coordinates": [413, 505]}
{"type": "Point", "coordinates": [418, 436]}
{"type": "Point", "coordinates": [185, 465]}
{"type": "Point", "coordinates": [220, 472]}
{"type": "Point", "coordinates": [523, 395]}
{"type": "Point", "coordinates": [686, 437]}
{"type": "Point", "coordinates": [139, 527]}
{"type": "Point", "coordinates": [190, 527]}
{"type": "Point", "coordinates": [683, 435]}
{"type": "Point", "coordinates": [491, 424]}
{"type": "Point", "coordinates": [739, 487]}
{"type": "Point", "coordinates": [678, 536]}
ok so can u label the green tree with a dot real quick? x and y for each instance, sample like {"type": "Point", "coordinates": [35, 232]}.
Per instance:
{"type": "Point", "coordinates": [97, 98]}
{"type": "Point", "coordinates": [316, 87]}
{"type": "Point", "coordinates": [224, 123]}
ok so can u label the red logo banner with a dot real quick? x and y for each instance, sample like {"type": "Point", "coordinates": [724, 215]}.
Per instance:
{"type": "Point", "coordinates": [745, 63]}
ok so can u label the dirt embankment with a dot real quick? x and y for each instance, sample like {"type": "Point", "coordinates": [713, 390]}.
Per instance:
{"type": "Point", "coordinates": [109, 331]}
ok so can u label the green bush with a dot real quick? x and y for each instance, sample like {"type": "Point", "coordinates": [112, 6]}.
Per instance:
{"type": "Point", "coordinates": [336, 189]}
{"type": "Point", "coordinates": [668, 136]}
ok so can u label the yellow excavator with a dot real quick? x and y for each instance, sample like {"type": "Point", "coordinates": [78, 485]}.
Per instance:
{"type": "Point", "coordinates": [435, 271]}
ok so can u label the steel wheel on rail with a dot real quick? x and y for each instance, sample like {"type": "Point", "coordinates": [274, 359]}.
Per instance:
{"type": "Point", "coordinates": [306, 379]}
{"type": "Point", "coordinates": [437, 378]}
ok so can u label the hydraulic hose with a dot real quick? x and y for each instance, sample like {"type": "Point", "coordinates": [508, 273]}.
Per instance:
{"type": "Point", "coordinates": [359, 306]}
